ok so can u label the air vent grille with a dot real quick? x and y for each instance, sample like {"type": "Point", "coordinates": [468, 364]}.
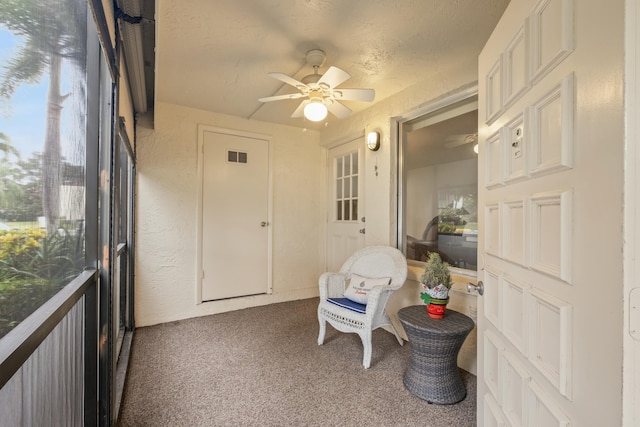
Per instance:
{"type": "Point", "coordinates": [236, 157]}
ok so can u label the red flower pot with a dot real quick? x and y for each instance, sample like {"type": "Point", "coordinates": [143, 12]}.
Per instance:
{"type": "Point", "coordinates": [436, 308]}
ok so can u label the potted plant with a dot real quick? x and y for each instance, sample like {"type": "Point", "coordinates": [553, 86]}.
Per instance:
{"type": "Point", "coordinates": [436, 282]}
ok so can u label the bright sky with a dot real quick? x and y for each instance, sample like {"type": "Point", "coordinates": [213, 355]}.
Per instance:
{"type": "Point", "coordinates": [23, 119]}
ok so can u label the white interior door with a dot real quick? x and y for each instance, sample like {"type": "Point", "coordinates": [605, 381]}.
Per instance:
{"type": "Point", "coordinates": [550, 187]}
{"type": "Point", "coordinates": [345, 210]}
{"type": "Point", "coordinates": [235, 215]}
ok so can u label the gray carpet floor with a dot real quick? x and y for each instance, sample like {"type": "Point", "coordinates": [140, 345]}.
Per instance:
{"type": "Point", "coordinates": [262, 367]}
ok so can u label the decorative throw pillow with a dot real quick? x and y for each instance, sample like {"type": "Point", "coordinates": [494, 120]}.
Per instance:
{"type": "Point", "coordinates": [359, 287]}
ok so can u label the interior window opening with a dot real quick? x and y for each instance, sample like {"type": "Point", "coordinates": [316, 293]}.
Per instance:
{"type": "Point", "coordinates": [438, 171]}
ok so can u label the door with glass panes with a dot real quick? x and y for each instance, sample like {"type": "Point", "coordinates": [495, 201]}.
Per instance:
{"type": "Point", "coordinates": [346, 220]}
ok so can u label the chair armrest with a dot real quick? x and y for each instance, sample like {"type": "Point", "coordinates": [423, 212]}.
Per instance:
{"type": "Point", "coordinates": [378, 296]}
{"type": "Point", "coordinates": [332, 285]}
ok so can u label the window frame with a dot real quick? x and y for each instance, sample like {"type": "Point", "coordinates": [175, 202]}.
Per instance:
{"type": "Point", "coordinates": [100, 393]}
{"type": "Point", "coordinates": [399, 125]}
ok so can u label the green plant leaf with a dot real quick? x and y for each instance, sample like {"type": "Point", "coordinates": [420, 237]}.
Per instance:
{"type": "Point", "coordinates": [425, 297]}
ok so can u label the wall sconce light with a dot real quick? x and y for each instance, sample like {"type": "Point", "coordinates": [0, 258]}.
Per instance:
{"type": "Point", "coordinates": [373, 141]}
{"type": "Point", "coordinates": [475, 148]}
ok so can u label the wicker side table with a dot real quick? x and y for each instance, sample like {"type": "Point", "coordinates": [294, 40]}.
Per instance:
{"type": "Point", "coordinates": [433, 367]}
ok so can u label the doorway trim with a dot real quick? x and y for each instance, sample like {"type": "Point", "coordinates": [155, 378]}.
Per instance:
{"type": "Point", "coordinates": [631, 266]}
{"type": "Point", "coordinates": [397, 123]}
{"type": "Point", "coordinates": [199, 199]}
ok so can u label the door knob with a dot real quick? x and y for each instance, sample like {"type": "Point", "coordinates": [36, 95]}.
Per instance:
{"type": "Point", "coordinates": [264, 224]}
{"type": "Point", "coordinates": [479, 288]}
{"type": "Point", "coordinates": [361, 231]}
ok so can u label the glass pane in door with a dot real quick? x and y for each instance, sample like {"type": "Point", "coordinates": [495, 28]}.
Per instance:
{"type": "Point", "coordinates": [346, 195]}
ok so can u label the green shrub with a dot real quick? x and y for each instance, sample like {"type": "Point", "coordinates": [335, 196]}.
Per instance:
{"type": "Point", "coordinates": [17, 244]}
{"type": "Point", "coordinates": [446, 227]}
{"type": "Point", "coordinates": [20, 298]}
{"type": "Point", "coordinates": [33, 267]}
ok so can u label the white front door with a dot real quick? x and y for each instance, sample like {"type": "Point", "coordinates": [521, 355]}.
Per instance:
{"type": "Point", "coordinates": [345, 210]}
{"type": "Point", "coordinates": [550, 216]}
{"type": "Point", "coordinates": [235, 215]}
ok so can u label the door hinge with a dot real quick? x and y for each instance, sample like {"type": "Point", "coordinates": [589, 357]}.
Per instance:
{"type": "Point", "coordinates": [634, 313]}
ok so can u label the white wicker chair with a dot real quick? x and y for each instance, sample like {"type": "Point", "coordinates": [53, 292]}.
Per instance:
{"type": "Point", "coordinates": [371, 262]}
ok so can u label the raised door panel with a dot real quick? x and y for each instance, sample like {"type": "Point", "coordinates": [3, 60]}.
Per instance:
{"type": "Point", "coordinates": [548, 155]}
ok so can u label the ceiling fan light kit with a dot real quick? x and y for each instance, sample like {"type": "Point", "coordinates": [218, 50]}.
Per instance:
{"type": "Point", "coordinates": [315, 111]}
{"type": "Point", "coordinates": [320, 91]}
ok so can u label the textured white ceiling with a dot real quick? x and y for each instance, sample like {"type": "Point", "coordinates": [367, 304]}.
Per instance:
{"type": "Point", "coordinates": [215, 55]}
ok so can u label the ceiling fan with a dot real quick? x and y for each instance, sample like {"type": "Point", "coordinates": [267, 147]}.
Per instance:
{"type": "Point", "coordinates": [462, 139]}
{"type": "Point", "coordinates": [321, 91]}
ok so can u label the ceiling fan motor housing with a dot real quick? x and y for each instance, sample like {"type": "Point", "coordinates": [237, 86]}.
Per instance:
{"type": "Point", "coordinates": [316, 58]}
{"type": "Point", "coordinates": [311, 79]}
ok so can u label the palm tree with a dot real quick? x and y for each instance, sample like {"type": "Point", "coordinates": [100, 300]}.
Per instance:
{"type": "Point", "coordinates": [53, 32]}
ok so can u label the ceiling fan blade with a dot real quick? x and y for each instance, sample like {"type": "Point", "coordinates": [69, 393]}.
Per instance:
{"type": "Point", "coordinates": [467, 137]}
{"type": "Point", "coordinates": [300, 110]}
{"type": "Point", "coordinates": [453, 144]}
{"type": "Point", "coordinates": [288, 80]}
{"type": "Point", "coordinates": [279, 97]}
{"type": "Point", "coordinates": [338, 110]}
{"type": "Point", "coordinates": [453, 141]}
{"type": "Point", "coordinates": [366, 95]}
{"type": "Point", "coordinates": [333, 77]}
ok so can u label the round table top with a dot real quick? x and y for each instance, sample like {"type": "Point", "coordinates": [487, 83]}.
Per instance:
{"type": "Point", "coordinates": [453, 322]}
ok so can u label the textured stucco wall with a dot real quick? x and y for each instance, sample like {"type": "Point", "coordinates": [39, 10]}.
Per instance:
{"type": "Point", "coordinates": [166, 214]}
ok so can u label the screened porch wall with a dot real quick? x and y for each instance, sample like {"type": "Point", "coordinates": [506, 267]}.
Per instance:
{"type": "Point", "coordinates": [49, 388]}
